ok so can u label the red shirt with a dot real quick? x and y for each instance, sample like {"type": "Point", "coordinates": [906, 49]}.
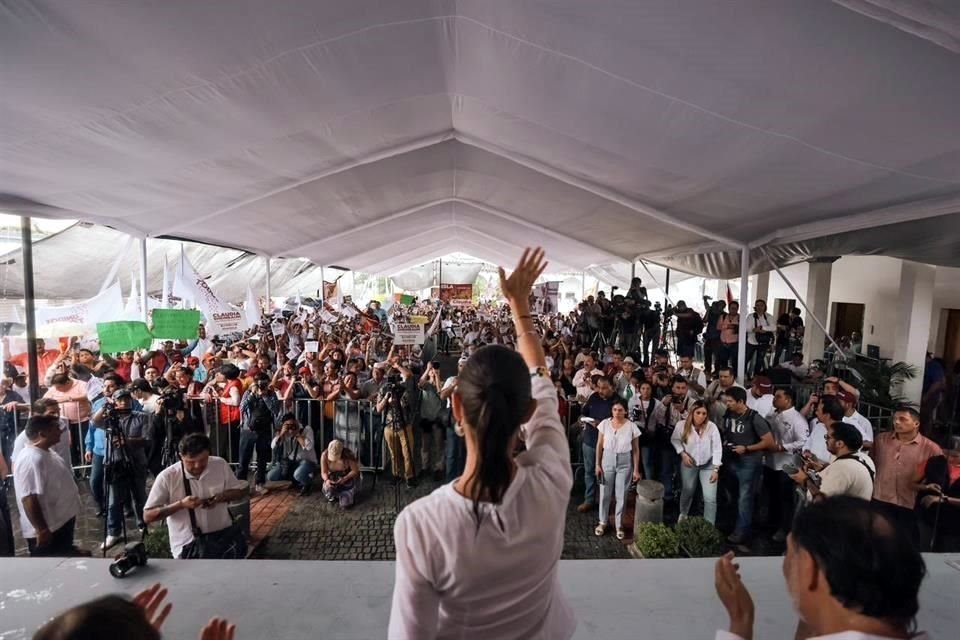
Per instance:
{"type": "Point", "coordinates": [230, 414]}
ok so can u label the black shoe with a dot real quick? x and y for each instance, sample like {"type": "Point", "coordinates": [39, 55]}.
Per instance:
{"type": "Point", "coordinates": [305, 490]}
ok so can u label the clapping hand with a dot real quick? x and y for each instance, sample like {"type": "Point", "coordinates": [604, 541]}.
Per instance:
{"type": "Point", "coordinates": [516, 288]}
{"type": "Point", "coordinates": [734, 596]}
{"type": "Point", "coordinates": [150, 600]}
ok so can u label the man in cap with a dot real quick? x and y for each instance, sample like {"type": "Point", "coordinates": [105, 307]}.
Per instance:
{"type": "Point", "coordinates": [760, 398]}
{"type": "Point", "coordinates": [621, 381]}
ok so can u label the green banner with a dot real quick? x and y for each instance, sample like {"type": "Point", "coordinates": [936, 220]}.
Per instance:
{"type": "Point", "coordinates": [176, 324]}
{"type": "Point", "coordinates": [117, 337]}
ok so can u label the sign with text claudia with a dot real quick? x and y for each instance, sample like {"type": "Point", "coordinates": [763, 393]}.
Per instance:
{"type": "Point", "coordinates": [408, 334]}
{"type": "Point", "coordinates": [458, 295]}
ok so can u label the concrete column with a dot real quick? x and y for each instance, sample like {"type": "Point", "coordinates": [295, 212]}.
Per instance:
{"type": "Point", "coordinates": [819, 272]}
{"type": "Point", "coordinates": [744, 302]}
{"type": "Point", "coordinates": [142, 259]}
{"type": "Point", "coordinates": [761, 290]}
{"type": "Point", "coordinates": [913, 313]}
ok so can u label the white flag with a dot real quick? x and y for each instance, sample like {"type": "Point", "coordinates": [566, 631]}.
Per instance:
{"type": "Point", "coordinates": [132, 309]}
{"type": "Point", "coordinates": [165, 292]}
{"type": "Point", "coordinates": [221, 318]}
{"type": "Point", "coordinates": [251, 309]}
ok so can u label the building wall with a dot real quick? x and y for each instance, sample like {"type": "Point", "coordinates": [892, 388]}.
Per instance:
{"type": "Point", "coordinates": [874, 282]}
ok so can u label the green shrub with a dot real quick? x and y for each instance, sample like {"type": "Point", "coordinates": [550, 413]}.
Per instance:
{"type": "Point", "coordinates": [656, 540]}
{"type": "Point", "coordinates": [157, 542]}
{"type": "Point", "coordinates": [699, 538]}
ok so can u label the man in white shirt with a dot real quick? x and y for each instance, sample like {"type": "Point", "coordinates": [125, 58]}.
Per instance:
{"type": "Point", "coordinates": [696, 379]}
{"type": "Point", "coordinates": [798, 370]}
{"type": "Point", "coordinates": [49, 407]}
{"type": "Point", "coordinates": [854, 417]}
{"type": "Point", "coordinates": [582, 379]}
{"type": "Point", "coordinates": [760, 333]}
{"type": "Point", "coordinates": [850, 473]}
{"type": "Point", "coordinates": [212, 487]}
{"type": "Point", "coordinates": [841, 588]}
{"type": "Point", "coordinates": [828, 411]}
{"type": "Point", "coordinates": [790, 431]}
{"type": "Point", "coordinates": [47, 495]}
{"type": "Point", "coordinates": [760, 397]}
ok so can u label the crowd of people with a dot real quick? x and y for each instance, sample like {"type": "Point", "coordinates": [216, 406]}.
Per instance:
{"type": "Point", "coordinates": [478, 557]}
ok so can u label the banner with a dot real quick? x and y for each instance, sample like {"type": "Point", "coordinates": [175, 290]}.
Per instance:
{"type": "Point", "coordinates": [458, 295]}
{"type": "Point", "coordinates": [419, 319]}
{"type": "Point", "coordinates": [251, 309]}
{"type": "Point", "coordinates": [545, 297]}
{"type": "Point", "coordinates": [128, 335]}
{"type": "Point", "coordinates": [82, 317]}
{"type": "Point", "coordinates": [176, 324]}
{"type": "Point", "coordinates": [221, 318]}
{"type": "Point", "coordinates": [407, 334]}
{"type": "Point", "coordinates": [403, 298]}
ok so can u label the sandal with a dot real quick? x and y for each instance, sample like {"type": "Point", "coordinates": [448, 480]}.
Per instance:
{"type": "Point", "coordinates": [600, 530]}
{"type": "Point", "coordinates": [620, 534]}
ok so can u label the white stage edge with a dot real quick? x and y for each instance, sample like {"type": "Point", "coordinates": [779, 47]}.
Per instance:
{"type": "Point", "coordinates": [282, 599]}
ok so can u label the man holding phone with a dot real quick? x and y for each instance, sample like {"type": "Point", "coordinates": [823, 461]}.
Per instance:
{"type": "Point", "coordinates": [431, 410]}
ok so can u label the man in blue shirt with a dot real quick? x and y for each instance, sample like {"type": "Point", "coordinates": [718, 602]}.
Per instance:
{"type": "Point", "coordinates": [598, 407]}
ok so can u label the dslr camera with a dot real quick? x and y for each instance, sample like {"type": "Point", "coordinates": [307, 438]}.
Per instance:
{"type": "Point", "coordinates": [133, 555]}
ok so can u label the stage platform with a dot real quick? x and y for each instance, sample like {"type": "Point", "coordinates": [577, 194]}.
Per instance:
{"type": "Point", "coordinates": [281, 600]}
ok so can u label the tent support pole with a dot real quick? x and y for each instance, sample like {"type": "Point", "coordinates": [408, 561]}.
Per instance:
{"type": "Point", "coordinates": [269, 299]}
{"type": "Point", "coordinates": [633, 272]}
{"type": "Point", "coordinates": [26, 252]}
{"type": "Point", "coordinates": [142, 259]}
{"type": "Point", "coordinates": [744, 303]}
{"type": "Point", "coordinates": [666, 293]}
{"type": "Point", "coordinates": [323, 287]}
{"type": "Point", "coordinates": [803, 303]}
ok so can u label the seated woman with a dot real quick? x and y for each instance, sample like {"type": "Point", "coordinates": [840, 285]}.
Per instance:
{"type": "Point", "coordinates": [339, 468]}
{"type": "Point", "coordinates": [478, 557]}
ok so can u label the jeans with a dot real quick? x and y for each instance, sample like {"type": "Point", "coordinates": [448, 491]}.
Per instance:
{"type": "Point", "coordinates": [746, 469]}
{"type": "Point", "coordinates": [616, 478]}
{"type": "Point", "coordinates": [77, 430]}
{"type": "Point", "coordinates": [302, 475]}
{"type": "Point", "coordinates": [756, 359]}
{"type": "Point", "coordinates": [589, 474]}
{"type": "Point", "coordinates": [431, 447]}
{"type": "Point", "coordinates": [456, 455]}
{"type": "Point", "coordinates": [251, 441]}
{"type": "Point", "coordinates": [727, 356]}
{"type": "Point", "coordinates": [96, 482]}
{"type": "Point", "coordinates": [664, 458]}
{"type": "Point", "coordinates": [690, 476]}
{"type": "Point", "coordinates": [119, 494]}
{"type": "Point", "coordinates": [711, 355]}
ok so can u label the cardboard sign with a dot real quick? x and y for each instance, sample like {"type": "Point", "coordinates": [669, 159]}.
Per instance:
{"type": "Point", "coordinates": [175, 324]}
{"type": "Point", "coordinates": [327, 317]}
{"type": "Point", "coordinates": [117, 337]}
{"type": "Point", "coordinates": [311, 346]}
{"type": "Point", "coordinates": [277, 329]}
{"type": "Point", "coordinates": [406, 333]}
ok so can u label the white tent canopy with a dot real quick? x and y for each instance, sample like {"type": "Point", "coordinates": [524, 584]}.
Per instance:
{"type": "Point", "coordinates": [376, 135]}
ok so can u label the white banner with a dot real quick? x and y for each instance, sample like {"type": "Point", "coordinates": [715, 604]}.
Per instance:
{"type": "Point", "coordinates": [407, 334]}
{"type": "Point", "coordinates": [80, 318]}
{"type": "Point", "coordinates": [221, 318]}
{"type": "Point", "coordinates": [251, 309]}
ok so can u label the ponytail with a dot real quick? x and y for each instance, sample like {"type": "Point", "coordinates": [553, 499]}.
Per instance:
{"type": "Point", "coordinates": [494, 388]}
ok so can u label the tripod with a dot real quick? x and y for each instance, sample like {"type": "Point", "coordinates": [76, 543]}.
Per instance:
{"type": "Point", "coordinates": [118, 470]}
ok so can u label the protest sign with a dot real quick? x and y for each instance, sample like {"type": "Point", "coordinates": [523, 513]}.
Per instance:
{"type": "Point", "coordinates": [175, 324]}
{"type": "Point", "coordinates": [79, 318]}
{"type": "Point", "coordinates": [127, 335]}
{"type": "Point", "coordinates": [311, 346]}
{"type": "Point", "coordinates": [406, 333]}
{"type": "Point", "coordinates": [221, 318]}
{"type": "Point", "coordinates": [277, 329]}
{"type": "Point", "coordinates": [419, 319]}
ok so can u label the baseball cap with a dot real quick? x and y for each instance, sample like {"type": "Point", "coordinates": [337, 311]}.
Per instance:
{"type": "Point", "coordinates": [845, 396]}
{"type": "Point", "coordinates": [763, 383]}
{"type": "Point", "coordinates": [629, 360]}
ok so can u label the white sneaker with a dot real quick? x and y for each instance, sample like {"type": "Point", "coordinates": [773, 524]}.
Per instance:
{"type": "Point", "coordinates": [259, 490]}
{"type": "Point", "coordinates": [111, 541]}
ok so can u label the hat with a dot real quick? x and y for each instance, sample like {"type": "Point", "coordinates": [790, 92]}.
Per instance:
{"type": "Point", "coordinates": [629, 360]}
{"type": "Point", "coordinates": [845, 396]}
{"type": "Point", "coordinates": [304, 371]}
{"type": "Point", "coordinates": [193, 361]}
{"type": "Point", "coordinates": [763, 383]}
{"type": "Point", "coordinates": [139, 385]}
{"type": "Point", "coordinates": [121, 393]}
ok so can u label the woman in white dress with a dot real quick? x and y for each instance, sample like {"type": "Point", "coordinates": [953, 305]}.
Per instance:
{"type": "Point", "coordinates": [618, 451]}
{"type": "Point", "coordinates": [478, 557]}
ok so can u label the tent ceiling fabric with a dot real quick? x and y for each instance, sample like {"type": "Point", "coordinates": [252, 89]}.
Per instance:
{"type": "Point", "coordinates": [369, 133]}
{"type": "Point", "coordinates": [73, 263]}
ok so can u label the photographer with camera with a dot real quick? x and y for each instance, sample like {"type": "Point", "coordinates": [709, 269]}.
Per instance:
{"type": "Point", "coordinates": [711, 334]}
{"type": "Point", "coordinates": [689, 327]}
{"type": "Point", "coordinates": [171, 422]}
{"type": "Point", "coordinates": [294, 454]}
{"type": "Point", "coordinates": [192, 495]}
{"type": "Point", "coordinates": [260, 411]}
{"type": "Point", "coordinates": [850, 474]}
{"type": "Point", "coordinates": [661, 374]}
{"type": "Point", "coordinates": [395, 403]}
{"type": "Point", "coordinates": [760, 334]}
{"type": "Point", "coordinates": [128, 433]}
{"type": "Point", "coordinates": [746, 435]}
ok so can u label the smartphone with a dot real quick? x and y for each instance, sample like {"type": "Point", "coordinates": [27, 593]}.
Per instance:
{"type": "Point", "coordinates": [789, 469]}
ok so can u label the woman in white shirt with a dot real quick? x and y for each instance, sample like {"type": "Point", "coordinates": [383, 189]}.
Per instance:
{"type": "Point", "coordinates": [697, 440]}
{"type": "Point", "coordinates": [618, 450]}
{"type": "Point", "coordinates": [478, 557]}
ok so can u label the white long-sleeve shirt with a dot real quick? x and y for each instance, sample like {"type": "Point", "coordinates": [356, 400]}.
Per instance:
{"type": "Point", "coordinates": [791, 430]}
{"type": "Point", "coordinates": [455, 580]}
{"type": "Point", "coordinates": [702, 447]}
{"type": "Point", "coordinates": [841, 635]}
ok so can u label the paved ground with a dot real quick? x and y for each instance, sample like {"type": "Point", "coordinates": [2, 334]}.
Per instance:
{"type": "Point", "coordinates": [286, 526]}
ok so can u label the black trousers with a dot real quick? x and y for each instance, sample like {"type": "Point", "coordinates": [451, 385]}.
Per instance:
{"type": "Point", "coordinates": [902, 518]}
{"type": "Point", "coordinates": [61, 543]}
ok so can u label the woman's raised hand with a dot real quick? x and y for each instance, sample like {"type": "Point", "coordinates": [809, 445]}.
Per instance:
{"type": "Point", "coordinates": [517, 287]}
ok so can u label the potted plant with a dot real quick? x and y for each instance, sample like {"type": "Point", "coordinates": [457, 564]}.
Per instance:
{"type": "Point", "coordinates": [881, 382]}
{"type": "Point", "coordinates": [157, 542]}
{"type": "Point", "coordinates": [698, 538]}
{"type": "Point", "coordinates": [656, 540]}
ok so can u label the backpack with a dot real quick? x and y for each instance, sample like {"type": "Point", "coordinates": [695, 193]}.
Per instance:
{"type": "Point", "coordinates": [261, 419]}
